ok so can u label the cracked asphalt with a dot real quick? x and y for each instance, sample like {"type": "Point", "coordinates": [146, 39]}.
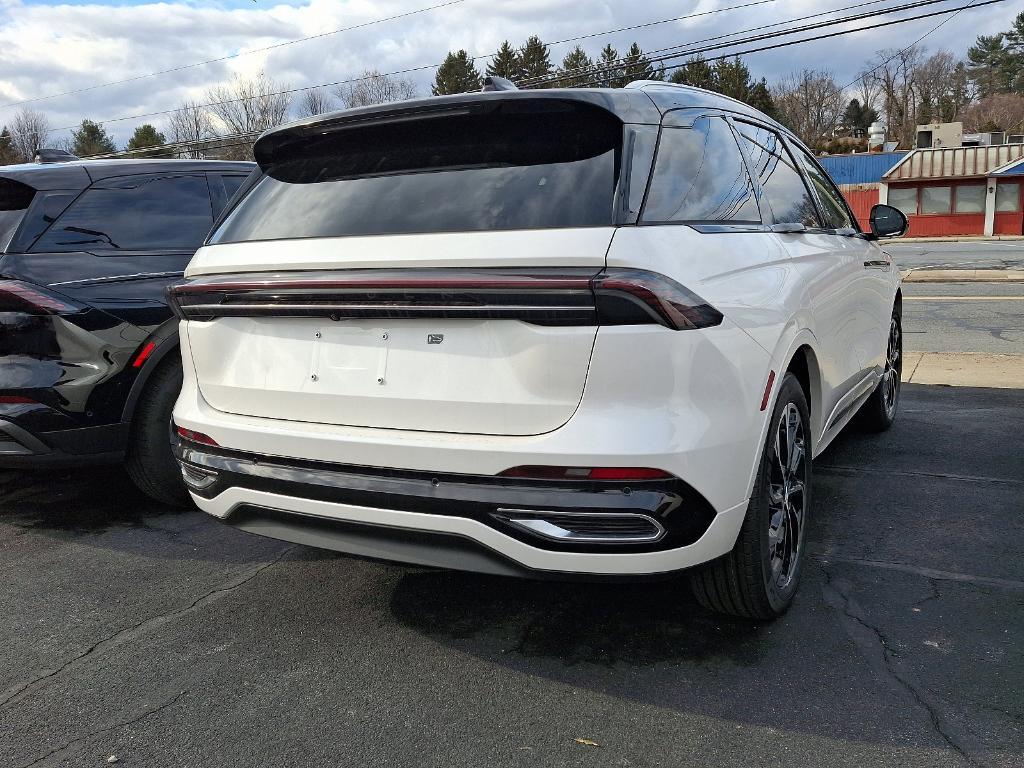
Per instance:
{"type": "Point", "coordinates": [167, 639]}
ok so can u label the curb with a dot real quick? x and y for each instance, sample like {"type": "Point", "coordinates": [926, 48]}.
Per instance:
{"type": "Point", "coordinates": [963, 275]}
{"type": "Point", "coordinates": [956, 239]}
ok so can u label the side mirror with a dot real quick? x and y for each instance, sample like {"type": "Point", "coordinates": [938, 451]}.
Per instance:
{"type": "Point", "coordinates": [887, 221]}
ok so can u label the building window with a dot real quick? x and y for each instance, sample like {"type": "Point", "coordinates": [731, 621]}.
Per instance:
{"type": "Point", "coordinates": [1007, 197]}
{"type": "Point", "coordinates": [904, 198]}
{"type": "Point", "coordinates": [935, 199]}
{"type": "Point", "coordinates": [970, 198]}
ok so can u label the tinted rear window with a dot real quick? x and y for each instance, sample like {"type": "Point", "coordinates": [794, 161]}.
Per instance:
{"type": "Point", "coordinates": [535, 168]}
{"type": "Point", "coordinates": [14, 201]}
{"type": "Point", "coordinates": [134, 213]}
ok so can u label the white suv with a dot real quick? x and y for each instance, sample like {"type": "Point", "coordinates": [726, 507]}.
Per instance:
{"type": "Point", "coordinates": [548, 333]}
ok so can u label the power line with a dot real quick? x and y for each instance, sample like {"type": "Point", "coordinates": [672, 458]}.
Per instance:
{"type": "Point", "coordinates": [678, 50]}
{"type": "Point", "coordinates": [845, 32]}
{"type": "Point", "coordinates": [407, 71]}
{"type": "Point", "coordinates": [182, 67]}
{"type": "Point", "coordinates": [904, 50]}
{"type": "Point", "coordinates": [624, 60]}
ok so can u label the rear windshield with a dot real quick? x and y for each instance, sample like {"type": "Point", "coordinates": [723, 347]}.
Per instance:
{"type": "Point", "coordinates": [520, 167]}
{"type": "Point", "coordinates": [14, 201]}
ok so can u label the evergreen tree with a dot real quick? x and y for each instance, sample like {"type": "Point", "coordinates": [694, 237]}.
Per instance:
{"type": "Point", "coordinates": [760, 97]}
{"type": "Point", "coordinates": [990, 65]}
{"type": "Point", "coordinates": [91, 139]}
{"type": "Point", "coordinates": [8, 155]}
{"type": "Point", "coordinates": [146, 136]}
{"type": "Point", "coordinates": [636, 66]}
{"type": "Point", "coordinates": [536, 63]}
{"type": "Point", "coordinates": [696, 72]}
{"type": "Point", "coordinates": [732, 78]}
{"type": "Point", "coordinates": [456, 75]}
{"type": "Point", "coordinates": [610, 72]}
{"type": "Point", "coordinates": [506, 63]}
{"type": "Point", "coordinates": [576, 70]}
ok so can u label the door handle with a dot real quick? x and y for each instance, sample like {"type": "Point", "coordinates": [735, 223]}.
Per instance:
{"type": "Point", "coordinates": [878, 264]}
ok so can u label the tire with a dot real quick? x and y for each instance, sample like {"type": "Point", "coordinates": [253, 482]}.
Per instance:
{"type": "Point", "coordinates": [150, 462]}
{"type": "Point", "coordinates": [879, 410]}
{"type": "Point", "coordinates": [759, 577]}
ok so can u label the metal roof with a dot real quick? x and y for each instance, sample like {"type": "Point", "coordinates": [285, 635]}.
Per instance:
{"type": "Point", "coordinates": [953, 162]}
{"type": "Point", "coordinates": [863, 168]}
{"type": "Point", "coordinates": [1013, 168]}
{"type": "Point", "coordinates": [640, 102]}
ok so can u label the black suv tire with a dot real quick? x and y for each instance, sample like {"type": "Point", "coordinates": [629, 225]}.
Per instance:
{"type": "Point", "coordinates": [150, 461]}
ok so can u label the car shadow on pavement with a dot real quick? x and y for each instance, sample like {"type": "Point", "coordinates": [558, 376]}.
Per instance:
{"type": "Point", "coordinates": [77, 500]}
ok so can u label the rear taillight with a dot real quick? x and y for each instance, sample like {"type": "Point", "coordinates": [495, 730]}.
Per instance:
{"type": "Point", "coordinates": [16, 296]}
{"type": "Point", "coordinates": [195, 437]}
{"type": "Point", "coordinates": [586, 473]}
{"type": "Point", "coordinates": [625, 295]}
{"type": "Point", "coordinates": [552, 296]}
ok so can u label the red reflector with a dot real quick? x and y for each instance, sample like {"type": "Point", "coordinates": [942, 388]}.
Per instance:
{"type": "Point", "coordinates": [16, 400]}
{"type": "Point", "coordinates": [586, 473]}
{"type": "Point", "coordinates": [627, 473]}
{"type": "Point", "coordinates": [144, 354]}
{"type": "Point", "coordinates": [195, 437]}
{"type": "Point", "coordinates": [768, 390]}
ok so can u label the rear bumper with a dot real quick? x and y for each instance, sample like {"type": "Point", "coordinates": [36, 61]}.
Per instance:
{"type": "Point", "coordinates": [20, 448]}
{"type": "Point", "coordinates": [453, 521]}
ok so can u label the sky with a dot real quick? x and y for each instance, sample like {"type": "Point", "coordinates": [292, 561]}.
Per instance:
{"type": "Point", "coordinates": [48, 48]}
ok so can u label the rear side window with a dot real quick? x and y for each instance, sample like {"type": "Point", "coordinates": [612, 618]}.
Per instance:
{"type": "Point", "coordinates": [526, 165]}
{"type": "Point", "coordinates": [15, 198]}
{"type": "Point", "coordinates": [781, 183]}
{"type": "Point", "coordinates": [134, 213]}
{"type": "Point", "coordinates": [699, 176]}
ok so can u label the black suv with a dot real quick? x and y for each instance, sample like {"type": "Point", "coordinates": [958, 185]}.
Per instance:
{"type": "Point", "coordinates": [89, 364]}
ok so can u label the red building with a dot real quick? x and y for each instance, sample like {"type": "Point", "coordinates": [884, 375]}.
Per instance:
{"type": "Point", "coordinates": [958, 190]}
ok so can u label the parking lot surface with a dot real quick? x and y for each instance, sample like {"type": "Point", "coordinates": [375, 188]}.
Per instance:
{"type": "Point", "coordinates": [166, 639]}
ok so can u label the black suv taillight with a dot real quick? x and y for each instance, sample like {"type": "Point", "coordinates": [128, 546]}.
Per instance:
{"type": "Point", "coordinates": [16, 296]}
{"type": "Point", "coordinates": [545, 296]}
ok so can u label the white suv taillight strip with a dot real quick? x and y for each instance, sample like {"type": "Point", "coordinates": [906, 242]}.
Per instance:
{"type": "Point", "coordinates": [550, 296]}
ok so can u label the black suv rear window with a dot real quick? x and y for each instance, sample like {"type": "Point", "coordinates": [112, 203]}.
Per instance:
{"type": "Point", "coordinates": [516, 168]}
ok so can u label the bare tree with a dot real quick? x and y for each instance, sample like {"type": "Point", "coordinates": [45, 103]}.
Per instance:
{"type": "Point", "coordinates": [29, 131]}
{"type": "Point", "coordinates": [248, 106]}
{"type": "Point", "coordinates": [375, 88]}
{"type": "Point", "coordinates": [811, 104]}
{"type": "Point", "coordinates": [867, 91]}
{"type": "Point", "coordinates": [896, 75]}
{"type": "Point", "coordinates": [998, 112]}
{"type": "Point", "coordinates": [315, 101]}
{"type": "Point", "coordinates": [192, 126]}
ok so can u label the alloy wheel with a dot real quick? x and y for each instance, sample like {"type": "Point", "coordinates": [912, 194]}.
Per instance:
{"type": "Point", "coordinates": [787, 478]}
{"type": "Point", "coordinates": [893, 368]}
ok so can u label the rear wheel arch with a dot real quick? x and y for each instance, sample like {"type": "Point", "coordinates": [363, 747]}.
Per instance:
{"type": "Point", "coordinates": [804, 365]}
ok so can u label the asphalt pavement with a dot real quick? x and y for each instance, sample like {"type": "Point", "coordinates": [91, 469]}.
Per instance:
{"type": "Point", "coordinates": [166, 639]}
{"type": "Point", "coordinates": [964, 317]}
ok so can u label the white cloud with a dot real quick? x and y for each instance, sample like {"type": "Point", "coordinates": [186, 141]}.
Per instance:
{"type": "Point", "coordinates": [51, 48]}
